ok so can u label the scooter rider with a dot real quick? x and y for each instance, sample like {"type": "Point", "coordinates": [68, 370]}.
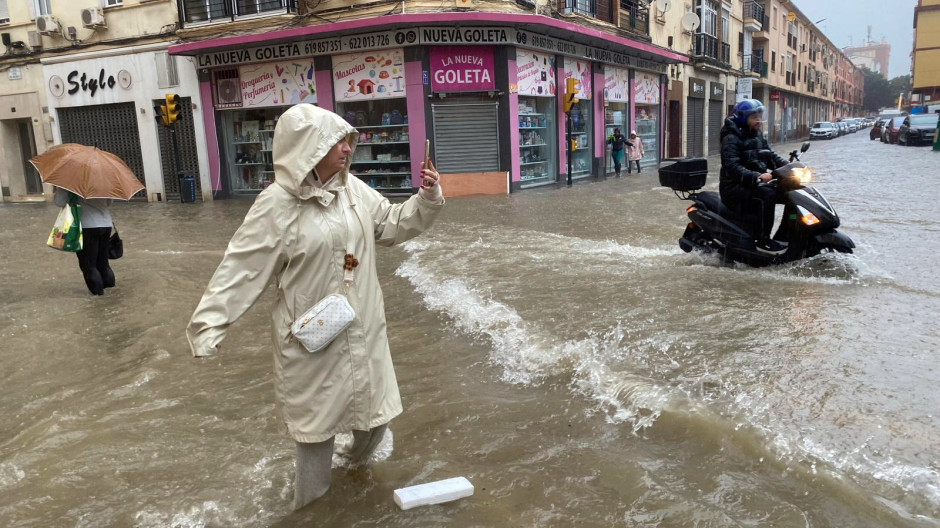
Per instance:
{"type": "Point", "coordinates": [742, 170]}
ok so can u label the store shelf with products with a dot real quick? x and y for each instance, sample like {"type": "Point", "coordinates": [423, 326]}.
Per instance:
{"type": "Point", "coordinates": [382, 158]}
{"type": "Point", "coordinates": [648, 132]}
{"type": "Point", "coordinates": [581, 149]}
{"type": "Point", "coordinates": [536, 141]}
{"type": "Point", "coordinates": [253, 161]}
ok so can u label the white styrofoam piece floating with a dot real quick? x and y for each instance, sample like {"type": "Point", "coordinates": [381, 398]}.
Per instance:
{"type": "Point", "coordinates": [433, 492]}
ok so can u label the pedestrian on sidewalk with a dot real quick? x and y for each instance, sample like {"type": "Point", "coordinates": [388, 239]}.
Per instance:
{"type": "Point", "coordinates": [96, 232]}
{"type": "Point", "coordinates": [617, 142]}
{"type": "Point", "coordinates": [634, 152]}
{"type": "Point", "coordinates": [312, 230]}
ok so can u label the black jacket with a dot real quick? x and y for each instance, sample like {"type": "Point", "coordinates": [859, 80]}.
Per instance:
{"type": "Point", "coordinates": [740, 164]}
{"type": "Point", "coordinates": [617, 142]}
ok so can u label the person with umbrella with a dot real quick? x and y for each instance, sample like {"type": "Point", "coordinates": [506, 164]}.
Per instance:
{"type": "Point", "coordinates": [94, 178]}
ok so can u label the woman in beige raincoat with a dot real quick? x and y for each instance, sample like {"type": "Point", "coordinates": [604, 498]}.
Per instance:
{"type": "Point", "coordinates": [297, 233]}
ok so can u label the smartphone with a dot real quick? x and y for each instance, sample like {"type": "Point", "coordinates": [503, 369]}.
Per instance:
{"type": "Point", "coordinates": [427, 152]}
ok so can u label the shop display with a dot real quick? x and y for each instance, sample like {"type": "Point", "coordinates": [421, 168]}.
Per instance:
{"type": "Point", "coordinates": [581, 124]}
{"type": "Point", "coordinates": [615, 116]}
{"type": "Point", "coordinates": [647, 129]}
{"type": "Point", "coordinates": [251, 137]}
{"type": "Point", "coordinates": [536, 140]}
{"type": "Point", "coordinates": [382, 158]}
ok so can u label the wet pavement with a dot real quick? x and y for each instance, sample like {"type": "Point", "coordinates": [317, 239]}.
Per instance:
{"type": "Point", "coordinates": [554, 346]}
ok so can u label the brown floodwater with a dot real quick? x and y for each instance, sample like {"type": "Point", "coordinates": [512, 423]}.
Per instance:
{"type": "Point", "coordinates": [555, 347]}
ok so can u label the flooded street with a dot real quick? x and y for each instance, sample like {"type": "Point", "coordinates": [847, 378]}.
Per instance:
{"type": "Point", "coordinates": [555, 347]}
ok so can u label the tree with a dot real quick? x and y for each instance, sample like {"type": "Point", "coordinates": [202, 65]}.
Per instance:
{"type": "Point", "coordinates": [880, 93]}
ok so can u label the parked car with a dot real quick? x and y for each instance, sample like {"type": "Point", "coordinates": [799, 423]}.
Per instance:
{"type": "Point", "coordinates": [877, 129]}
{"type": "Point", "coordinates": [843, 128]}
{"type": "Point", "coordinates": [823, 130]}
{"type": "Point", "coordinates": [918, 129]}
{"type": "Point", "coordinates": [891, 129]}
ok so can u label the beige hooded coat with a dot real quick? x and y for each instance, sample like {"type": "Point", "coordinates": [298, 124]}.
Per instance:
{"type": "Point", "coordinates": [297, 234]}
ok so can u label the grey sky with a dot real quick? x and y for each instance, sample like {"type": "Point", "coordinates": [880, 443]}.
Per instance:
{"type": "Point", "coordinates": [847, 24]}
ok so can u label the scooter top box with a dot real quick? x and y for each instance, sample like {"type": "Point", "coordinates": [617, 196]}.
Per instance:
{"type": "Point", "coordinates": [687, 174]}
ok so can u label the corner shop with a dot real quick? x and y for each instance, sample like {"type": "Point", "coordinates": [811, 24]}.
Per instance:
{"type": "Point", "coordinates": [483, 87]}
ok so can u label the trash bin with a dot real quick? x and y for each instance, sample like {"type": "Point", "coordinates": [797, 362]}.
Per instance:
{"type": "Point", "coordinates": [188, 189]}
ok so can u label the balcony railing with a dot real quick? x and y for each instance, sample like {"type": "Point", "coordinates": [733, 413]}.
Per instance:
{"type": "Point", "coordinates": [194, 11]}
{"type": "Point", "coordinates": [754, 64]}
{"type": "Point", "coordinates": [581, 7]}
{"type": "Point", "coordinates": [706, 46]}
{"type": "Point", "coordinates": [754, 10]}
{"type": "Point", "coordinates": [635, 16]}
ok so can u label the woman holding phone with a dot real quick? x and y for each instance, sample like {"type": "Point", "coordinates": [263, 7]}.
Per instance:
{"type": "Point", "coordinates": [314, 232]}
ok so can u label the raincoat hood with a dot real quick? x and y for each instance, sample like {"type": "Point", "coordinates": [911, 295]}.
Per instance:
{"type": "Point", "coordinates": [302, 137]}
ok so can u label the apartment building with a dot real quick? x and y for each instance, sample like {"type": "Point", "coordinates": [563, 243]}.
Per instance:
{"type": "Point", "coordinates": [90, 71]}
{"type": "Point", "coordinates": [763, 49]}
{"type": "Point", "coordinates": [925, 59]}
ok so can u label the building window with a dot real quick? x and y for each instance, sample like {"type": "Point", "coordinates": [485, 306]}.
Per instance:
{"type": "Point", "coordinates": [112, 3]}
{"type": "Point", "coordinates": [773, 60]}
{"type": "Point", "coordinates": [708, 13]}
{"type": "Point", "coordinates": [775, 17]}
{"type": "Point", "coordinates": [4, 14]}
{"type": "Point", "coordinates": [582, 7]}
{"type": "Point", "coordinates": [41, 7]}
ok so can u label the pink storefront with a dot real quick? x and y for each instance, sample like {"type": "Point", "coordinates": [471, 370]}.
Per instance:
{"type": "Point", "coordinates": [485, 88]}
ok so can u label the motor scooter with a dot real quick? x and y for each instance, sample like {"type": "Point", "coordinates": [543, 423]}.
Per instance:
{"type": "Point", "coordinates": [808, 227]}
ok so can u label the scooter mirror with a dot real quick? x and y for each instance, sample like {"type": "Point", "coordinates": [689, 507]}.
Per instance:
{"type": "Point", "coordinates": [805, 146]}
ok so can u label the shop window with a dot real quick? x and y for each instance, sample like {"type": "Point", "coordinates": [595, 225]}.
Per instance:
{"type": "Point", "coordinates": [381, 158]}
{"type": "Point", "coordinates": [536, 140]}
{"type": "Point", "coordinates": [249, 137]}
{"type": "Point", "coordinates": [615, 117]}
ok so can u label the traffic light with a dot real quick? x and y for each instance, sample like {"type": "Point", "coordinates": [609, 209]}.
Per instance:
{"type": "Point", "coordinates": [159, 113]}
{"type": "Point", "coordinates": [571, 92]}
{"type": "Point", "coordinates": [171, 110]}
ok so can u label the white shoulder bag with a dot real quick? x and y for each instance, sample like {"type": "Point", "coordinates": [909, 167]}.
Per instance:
{"type": "Point", "coordinates": [330, 317]}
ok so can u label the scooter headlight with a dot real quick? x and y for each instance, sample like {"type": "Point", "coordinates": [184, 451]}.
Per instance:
{"type": "Point", "coordinates": [807, 217]}
{"type": "Point", "coordinates": [803, 174]}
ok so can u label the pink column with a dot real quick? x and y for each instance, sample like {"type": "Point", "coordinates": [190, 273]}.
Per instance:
{"type": "Point", "coordinates": [324, 80]}
{"type": "Point", "coordinates": [515, 169]}
{"type": "Point", "coordinates": [562, 136]}
{"type": "Point", "coordinates": [417, 132]}
{"type": "Point", "coordinates": [600, 141]}
{"type": "Point", "coordinates": [212, 140]}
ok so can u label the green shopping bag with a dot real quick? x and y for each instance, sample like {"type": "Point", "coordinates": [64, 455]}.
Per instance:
{"type": "Point", "coordinates": [66, 234]}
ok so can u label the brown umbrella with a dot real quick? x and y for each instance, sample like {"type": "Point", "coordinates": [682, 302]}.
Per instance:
{"type": "Point", "coordinates": [87, 171]}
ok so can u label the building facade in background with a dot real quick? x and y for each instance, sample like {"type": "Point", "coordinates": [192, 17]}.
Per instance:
{"type": "Point", "coordinates": [90, 71]}
{"type": "Point", "coordinates": [925, 59]}
{"type": "Point", "coordinates": [872, 55]}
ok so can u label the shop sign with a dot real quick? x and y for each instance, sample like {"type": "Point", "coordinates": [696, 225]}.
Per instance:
{"type": "Point", "coordinates": [14, 73]}
{"type": "Point", "coordinates": [535, 73]}
{"type": "Point", "coordinates": [369, 75]}
{"type": "Point", "coordinates": [645, 88]}
{"type": "Point", "coordinates": [745, 88]}
{"type": "Point", "coordinates": [278, 83]}
{"type": "Point", "coordinates": [552, 45]}
{"type": "Point", "coordinates": [309, 48]}
{"type": "Point", "coordinates": [775, 95]}
{"type": "Point", "coordinates": [717, 91]}
{"type": "Point", "coordinates": [580, 70]}
{"type": "Point", "coordinates": [462, 69]}
{"type": "Point", "coordinates": [696, 88]}
{"type": "Point", "coordinates": [616, 85]}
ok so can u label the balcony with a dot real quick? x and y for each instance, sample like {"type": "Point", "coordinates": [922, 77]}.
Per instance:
{"type": "Point", "coordinates": [753, 16]}
{"type": "Point", "coordinates": [198, 11]}
{"type": "Point", "coordinates": [635, 16]}
{"type": "Point", "coordinates": [705, 46]}
{"type": "Point", "coordinates": [581, 7]}
{"type": "Point", "coordinates": [754, 65]}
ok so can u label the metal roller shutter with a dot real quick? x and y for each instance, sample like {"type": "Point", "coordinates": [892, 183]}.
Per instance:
{"type": "Point", "coordinates": [695, 125]}
{"type": "Point", "coordinates": [715, 121]}
{"type": "Point", "coordinates": [189, 156]}
{"type": "Point", "coordinates": [110, 127]}
{"type": "Point", "coordinates": [466, 136]}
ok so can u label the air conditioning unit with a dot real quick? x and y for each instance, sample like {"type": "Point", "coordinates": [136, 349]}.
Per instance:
{"type": "Point", "coordinates": [93, 17]}
{"type": "Point", "coordinates": [34, 39]}
{"type": "Point", "coordinates": [48, 25]}
{"type": "Point", "coordinates": [228, 91]}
